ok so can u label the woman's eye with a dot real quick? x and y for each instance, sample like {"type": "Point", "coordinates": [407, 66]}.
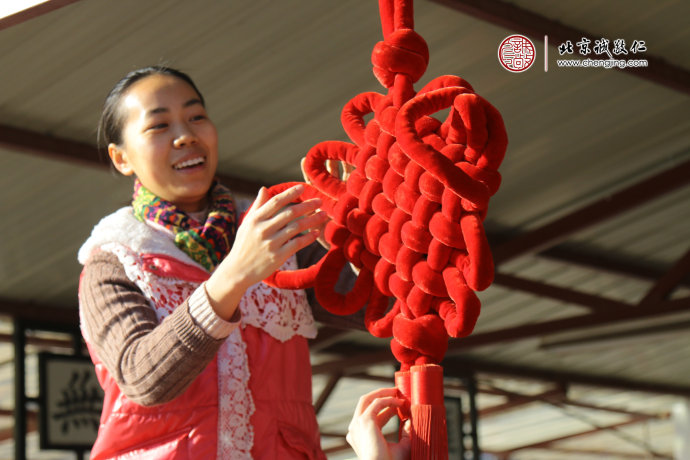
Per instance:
{"type": "Point", "coordinates": [198, 117]}
{"type": "Point", "coordinates": [158, 126]}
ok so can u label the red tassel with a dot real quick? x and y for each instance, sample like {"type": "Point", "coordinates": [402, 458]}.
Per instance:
{"type": "Point", "coordinates": [429, 435]}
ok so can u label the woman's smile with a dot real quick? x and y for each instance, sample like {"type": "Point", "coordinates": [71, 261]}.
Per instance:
{"type": "Point", "coordinates": [191, 163]}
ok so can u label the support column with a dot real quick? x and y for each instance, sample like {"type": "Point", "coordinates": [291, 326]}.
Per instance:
{"type": "Point", "coordinates": [19, 342]}
{"type": "Point", "coordinates": [471, 385]}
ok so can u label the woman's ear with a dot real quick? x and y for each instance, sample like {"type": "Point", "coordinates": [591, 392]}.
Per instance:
{"type": "Point", "coordinates": [120, 159]}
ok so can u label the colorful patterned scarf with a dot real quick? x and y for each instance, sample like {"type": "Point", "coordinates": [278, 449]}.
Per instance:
{"type": "Point", "coordinates": [205, 242]}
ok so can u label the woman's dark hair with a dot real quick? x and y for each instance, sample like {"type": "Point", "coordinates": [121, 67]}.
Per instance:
{"type": "Point", "coordinates": [111, 122]}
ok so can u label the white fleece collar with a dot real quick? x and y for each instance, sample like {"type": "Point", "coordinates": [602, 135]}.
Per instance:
{"type": "Point", "coordinates": [123, 228]}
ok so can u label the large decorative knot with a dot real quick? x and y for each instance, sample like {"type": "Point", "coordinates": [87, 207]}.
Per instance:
{"type": "Point", "coordinates": [410, 216]}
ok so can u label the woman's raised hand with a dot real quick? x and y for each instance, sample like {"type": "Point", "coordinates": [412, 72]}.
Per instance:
{"type": "Point", "coordinates": [272, 230]}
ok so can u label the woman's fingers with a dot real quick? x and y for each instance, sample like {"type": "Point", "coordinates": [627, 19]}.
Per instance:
{"type": "Point", "coordinates": [406, 431]}
{"type": "Point", "coordinates": [382, 409]}
{"type": "Point", "coordinates": [292, 211]}
{"type": "Point", "coordinates": [389, 410]}
{"type": "Point", "coordinates": [335, 168]}
{"type": "Point", "coordinates": [261, 198]}
{"type": "Point", "coordinates": [332, 166]}
{"type": "Point", "coordinates": [300, 233]}
{"type": "Point", "coordinates": [294, 244]}
{"type": "Point", "coordinates": [347, 170]}
{"type": "Point", "coordinates": [366, 400]}
{"type": "Point", "coordinates": [304, 171]}
{"type": "Point", "coordinates": [265, 208]}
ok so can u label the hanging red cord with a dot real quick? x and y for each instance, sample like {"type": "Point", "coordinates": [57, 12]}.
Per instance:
{"type": "Point", "coordinates": [410, 215]}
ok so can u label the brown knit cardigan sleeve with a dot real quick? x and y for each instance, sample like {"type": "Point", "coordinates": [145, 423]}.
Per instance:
{"type": "Point", "coordinates": [152, 362]}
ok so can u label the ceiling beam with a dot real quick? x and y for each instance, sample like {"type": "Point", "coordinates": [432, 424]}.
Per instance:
{"type": "Point", "coordinates": [599, 429]}
{"type": "Point", "coordinates": [555, 232]}
{"type": "Point", "coordinates": [39, 313]}
{"type": "Point", "coordinates": [601, 261]}
{"type": "Point", "coordinates": [536, 26]}
{"type": "Point", "coordinates": [557, 397]}
{"type": "Point", "coordinates": [668, 282]}
{"type": "Point", "coordinates": [81, 153]}
{"type": "Point", "coordinates": [516, 400]}
{"type": "Point", "coordinates": [460, 366]}
{"type": "Point", "coordinates": [353, 362]}
{"type": "Point", "coordinates": [41, 342]}
{"type": "Point", "coordinates": [597, 340]}
{"type": "Point", "coordinates": [326, 337]}
{"type": "Point", "coordinates": [595, 407]}
{"type": "Point", "coordinates": [7, 434]}
{"type": "Point", "coordinates": [56, 148]}
{"type": "Point", "coordinates": [572, 323]}
{"type": "Point", "coordinates": [40, 9]}
{"type": "Point", "coordinates": [326, 392]}
{"type": "Point", "coordinates": [593, 302]}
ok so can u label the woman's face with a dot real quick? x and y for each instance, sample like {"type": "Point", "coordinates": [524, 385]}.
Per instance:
{"type": "Point", "coordinates": [168, 141]}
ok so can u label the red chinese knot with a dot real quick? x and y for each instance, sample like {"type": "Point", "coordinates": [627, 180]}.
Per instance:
{"type": "Point", "coordinates": [410, 216]}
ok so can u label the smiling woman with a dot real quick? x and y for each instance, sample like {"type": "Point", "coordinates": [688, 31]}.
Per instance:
{"type": "Point", "coordinates": [167, 280]}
